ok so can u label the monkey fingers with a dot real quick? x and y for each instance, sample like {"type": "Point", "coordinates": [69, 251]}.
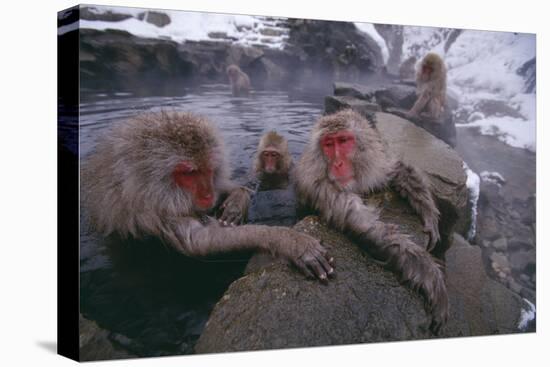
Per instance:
{"type": "Point", "coordinates": [314, 261]}
{"type": "Point", "coordinates": [231, 216]}
{"type": "Point", "coordinates": [431, 228]}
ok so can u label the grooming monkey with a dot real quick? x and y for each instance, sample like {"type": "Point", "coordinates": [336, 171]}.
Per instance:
{"type": "Point", "coordinates": [431, 88]}
{"type": "Point", "coordinates": [162, 174]}
{"type": "Point", "coordinates": [346, 158]}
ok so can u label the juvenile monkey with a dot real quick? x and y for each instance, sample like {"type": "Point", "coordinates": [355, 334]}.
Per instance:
{"type": "Point", "coordinates": [240, 82]}
{"type": "Point", "coordinates": [162, 174]}
{"type": "Point", "coordinates": [272, 163]}
{"type": "Point", "coordinates": [431, 88]}
{"type": "Point", "coordinates": [346, 158]}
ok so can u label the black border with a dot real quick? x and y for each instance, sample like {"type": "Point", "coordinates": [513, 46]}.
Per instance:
{"type": "Point", "coordinates": [68, 242]}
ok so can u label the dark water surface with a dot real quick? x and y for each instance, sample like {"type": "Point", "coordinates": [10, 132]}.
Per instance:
{"type": "Point", "coordinates": [153, 300]}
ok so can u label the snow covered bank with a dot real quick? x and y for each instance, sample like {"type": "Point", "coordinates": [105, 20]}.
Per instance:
{"type": "Point", "coordinates": [191, 26]}
{"type": "Point", "coordinates": [483, 65]}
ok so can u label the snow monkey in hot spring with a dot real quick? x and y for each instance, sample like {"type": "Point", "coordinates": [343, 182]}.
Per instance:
{"type": "Point", "coordinates": [163, 174]}
{"type": "Point", "coordinates": [346, 158]}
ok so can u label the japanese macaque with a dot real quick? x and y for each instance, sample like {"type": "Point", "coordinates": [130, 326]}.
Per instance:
{"type": "Point", "coordinates": [240, 82]}
{"type": "Point", "coordinates": [346, 158]}
{"type": "Point", "coordinates": [273, 162]}
{"type": "Point", "coordinates": [162, 174]}
{"type": "Point", "coordinates": [431, 88]}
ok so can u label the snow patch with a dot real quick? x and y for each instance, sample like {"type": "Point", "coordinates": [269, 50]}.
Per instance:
{"type": "Point", "coordinates": [527, 315]}
{"type": "Point", "coordinates": [472, 183]}
{"type": "Point", "coordinates": [512, 131]}
{"type": "Point", "coordinates": [493, 177]}
{"type": "Point", "coordinates": [189, 26]}
{"type": "Point", "coordinates": [369, 29]}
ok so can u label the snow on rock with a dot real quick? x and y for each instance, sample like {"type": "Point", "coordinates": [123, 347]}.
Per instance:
{"type": "Point", "coordinates": [192, 26]}
{"type": "Point", "coordinates": [527, 315]}
{"type": "Point", "coordinates": [369, 29]}
{"type": "Point", "coordinates": [472, 183]}
{"type": "Point", "coordinates": [493, 177]}
{"type": "Point", "coordinates": [483, 65]}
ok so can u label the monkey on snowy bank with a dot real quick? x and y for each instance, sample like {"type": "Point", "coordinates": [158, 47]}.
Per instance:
{"type": "Point", "coordinates": [431, 88]}
{"type": "Point", "coordinates": [346, 158]}
{"type": "Point", "coordinates": [162, 175]}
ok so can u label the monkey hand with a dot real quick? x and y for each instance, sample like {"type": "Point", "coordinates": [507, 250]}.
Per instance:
{"type": "Point", "coordinates": [308, 255]}
{"type": "Point", "coordinates": [431, 227]}
{"type": "Point", "coordinates": [235, 207]}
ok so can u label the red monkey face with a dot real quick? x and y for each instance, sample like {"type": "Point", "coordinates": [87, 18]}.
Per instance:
{"type": "Point", "coordinates": [427, 71]}
{"type": "Point", "coordinates": [270, 159]}
{"type": "Point", "coordinates": [198, 181]}
{"type": "Point", "coordinates": [339, 149]}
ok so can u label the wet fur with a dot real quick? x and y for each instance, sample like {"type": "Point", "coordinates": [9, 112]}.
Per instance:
{"type": "Point", "coordinates": [128, 190]}
{"type": "Point", "coordinates": [432, 92]}
{"type": "Point", "coordinates": [343, 208]}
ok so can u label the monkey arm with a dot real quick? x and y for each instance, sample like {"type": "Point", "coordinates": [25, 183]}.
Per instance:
{"type": "Point", "coordinates": [192, 238]}
{"type": "Point", "coordinates": [412, 263]}
{"type": "Point", "coordinates": [421, 102]}
{"type": "Point", "coordinates": [410, 184]}
{"type": "Point", "coordinates": [235, 207]}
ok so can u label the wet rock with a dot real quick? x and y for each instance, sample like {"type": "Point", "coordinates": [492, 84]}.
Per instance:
{"type": "Point", "coordinates": [336, 103]}
{"type": "Point", "coordinates": [529, 72]}
{"type": "Point", "coordinates": [95, 343]}
{"type": "Point", "coordinates": [92, 13]}
{"type": "Point", "coordinates": [501, 244]}
{"type": "Point", "coordinates": [490, 108]}
{"type": "Point", "coordinates": [479, 305]}
{"type": "Point", "coordinates": [500, 263]}
{"type": "Point", "coordinates": [276, 307]}
{"type": "Point", "coordinates": [401, 96]}
{"type": "Point", "coordinates": [156, 18]}
{"type": "Point", "coordinates": [354, 90]}
{"type": "Point", "coordinates": [522, 259]}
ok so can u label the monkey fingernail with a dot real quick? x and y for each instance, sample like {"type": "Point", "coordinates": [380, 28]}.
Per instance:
{"type": "Point", "coordinates": [331, 270]}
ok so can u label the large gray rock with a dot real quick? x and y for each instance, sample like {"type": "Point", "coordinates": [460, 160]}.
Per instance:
{"type": "Point", "coordinates": [336, 103]}
{"type": "Point", "coordinates": [276, 307]}
{"type": "Point", "coordinates": [479, 305]}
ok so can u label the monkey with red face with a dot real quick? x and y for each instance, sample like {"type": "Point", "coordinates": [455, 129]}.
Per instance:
{"type": "Point", "coordinates": [272, 163]}
{"type": "Point", "coordinates": [345, 159]}
{"type": "Point", "coordinates": [163, 174]}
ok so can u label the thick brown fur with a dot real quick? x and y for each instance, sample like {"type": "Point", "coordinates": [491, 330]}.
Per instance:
{"type": "Point", "coordinates": [343, 208]}
{"type": "Point", "coordinates": [128, 190]}
{"type": "Point", "coordinates": [274, 141]}
{"type": "Point", "coordinates": [431, 90]}
{"type": "Point", "coordinates": [240, 82]}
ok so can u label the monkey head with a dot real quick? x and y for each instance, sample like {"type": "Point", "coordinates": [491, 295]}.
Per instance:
{"type": "Point", "coordinates": [431, 67]}
{"type": "Point", "coordinates": [152, 168]}
{"type": "Point", "coordinates": [347, 150]}
{"type": "Point", "coordinates": [233, 72]}
{"type": "Point", "coordinates": [272, 157]}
